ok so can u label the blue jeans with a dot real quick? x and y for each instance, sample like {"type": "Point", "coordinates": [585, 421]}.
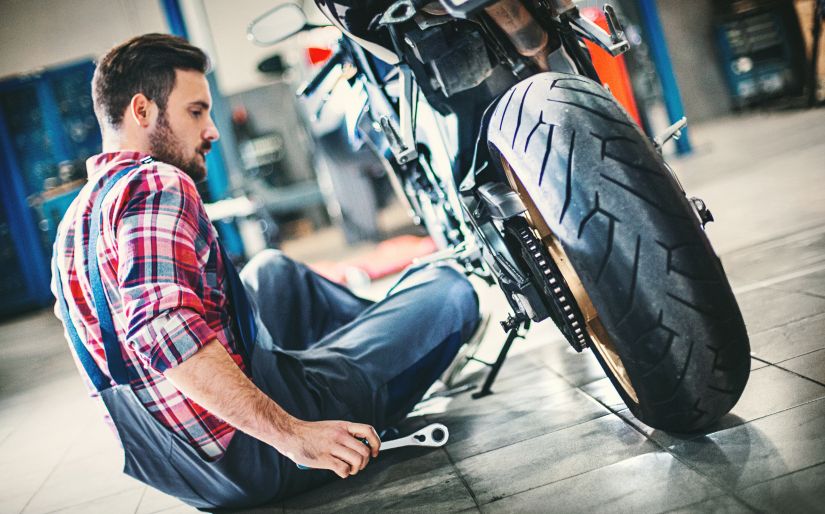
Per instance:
{"type": "Point", "coordinates": [398, 346]}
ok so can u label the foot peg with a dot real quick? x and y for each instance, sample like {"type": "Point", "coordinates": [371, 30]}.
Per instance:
{"type": "Point", "coordinates": [672, 132]}
{"type": "Point", "coordinates": [614, 41]}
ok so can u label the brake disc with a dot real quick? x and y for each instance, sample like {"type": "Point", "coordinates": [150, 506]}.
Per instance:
{"type": "Point", "coordinates": [556, 293]}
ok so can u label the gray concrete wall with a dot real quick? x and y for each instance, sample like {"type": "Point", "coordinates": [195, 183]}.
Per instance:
{"type": "Point", "coordinates": [272, 109]}
{"type": "Point", "coordinates": [40, 33]}
{"type": "Point", "coordinates": [688, 27]}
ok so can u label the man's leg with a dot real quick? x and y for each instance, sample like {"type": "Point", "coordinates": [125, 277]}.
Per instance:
{"type": "Point", "coordinates": [401, 344]}
{"type": "Point", "coordinates": [373, 369]}
{"type": "Point", "coordinates": [297, 306]}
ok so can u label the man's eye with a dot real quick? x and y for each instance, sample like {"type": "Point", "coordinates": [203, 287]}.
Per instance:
{"type": "Point", "coordinates": [196, 114]}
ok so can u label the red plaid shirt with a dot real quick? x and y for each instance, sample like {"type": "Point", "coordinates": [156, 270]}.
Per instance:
{"type": "Point", "coordinates": [163, 276]}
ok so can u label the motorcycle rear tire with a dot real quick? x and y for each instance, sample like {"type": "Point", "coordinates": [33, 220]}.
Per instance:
{"type": "Point", "coordinates": [635, 243]}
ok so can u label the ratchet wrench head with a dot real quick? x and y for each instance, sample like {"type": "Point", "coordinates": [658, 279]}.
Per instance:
{"type": "Point", "coordinates": [435, 434]}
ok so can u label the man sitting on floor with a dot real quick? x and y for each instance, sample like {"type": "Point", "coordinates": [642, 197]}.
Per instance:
{"type": "Point", "coordinates": [217, 385]}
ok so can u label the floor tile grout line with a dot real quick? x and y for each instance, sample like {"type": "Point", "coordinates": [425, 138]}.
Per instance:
{"type": "Point", "coordinates": [462, 479]}
{"type": "Point", "coordinates": [786, 324]}
{"type": "Point", "coordinates": [48, 476]}
{"type": "Point", "coordinates": [749, 505]}
{"type": "Point", "coordinates": [763, 361]}
{"type": "Point", "coordinates": [676, 457]}
{"type": "Point", "coordinates": [64, 507]}
{"type": "Point", "coordinates": [604, 404]}
{"type": "Point", "coordinates": [537, 436]}
{"type": "Point", "coordinates": [807, 402]}
{"type": "Point", "coordinates": [737, 499]}
{"type": "Point", "coordinates": [140, 501]}
{"type": "Point", "coordinates": [663, 447]}
{"type": "Point", "coordinates": [11, 432]}
{"type": "Point", "coordinates": [769, 364]}
{"type": "Point", "coordinates": [171, 508]}
{"type": "Point", "coordinates": [458, 472]}
{"type": "Point", "coordinates": [736, 494]}
{"type": "Point", "coordinates": [57, 464]}
{"type": "Point", "coordinates": [562, 479]}
{"type": "Point", "coordinates": [778, 363]}
{"type": "Point", "coordinates": [711, 479]}
{"type": "Point", "coordinates": [788, 289]}
{"type": "Point", "coordinates": [568, 381]}
{"type": "Point", "coordinates": [800, 470]}
{"type": "Point", "coordinates": [815, 295]}
{"type": "Point", "coordinates": [781, 289]}
{"type": "Point", "coordinates": [809, 379]}
{"type": "Point", "coordinates": [755, 286]}
{"type": "Point", "coordinates": [759, 418]}
{"type": "Point", "coordinates": [541, 367]}
{"type": "Point", "coordinates": [802, 234]}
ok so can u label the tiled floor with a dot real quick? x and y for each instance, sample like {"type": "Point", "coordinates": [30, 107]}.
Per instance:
{"type": "Point", "coordinates": [555, 437]}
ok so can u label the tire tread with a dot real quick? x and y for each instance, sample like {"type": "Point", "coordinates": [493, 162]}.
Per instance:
{"type": "Point", "coordinates": [637, 246]}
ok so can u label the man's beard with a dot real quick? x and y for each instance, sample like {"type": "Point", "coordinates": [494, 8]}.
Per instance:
{"type": "Point", "coordinates": [166, 147]}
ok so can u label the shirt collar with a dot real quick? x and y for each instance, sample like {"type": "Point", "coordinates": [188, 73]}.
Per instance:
{"type": "Point", "coordinates": [112, 161]}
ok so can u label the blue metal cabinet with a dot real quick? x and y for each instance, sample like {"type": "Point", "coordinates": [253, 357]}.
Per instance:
{"type": "Point", "coordinates": [758, 50]}
{"type": "Point", "coordinates": [47, 129]}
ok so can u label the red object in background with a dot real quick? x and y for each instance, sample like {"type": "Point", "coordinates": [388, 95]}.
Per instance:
{"type": "Point", "coordinates": [388, 257]}
{"type": "Point", "coordinates": [318, 55]}
{"type": "Point", "coordinates": [611, 70]}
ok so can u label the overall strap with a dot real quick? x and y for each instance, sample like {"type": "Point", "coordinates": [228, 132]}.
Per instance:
{"type": "Point", "coordinates": [114, 357]}
{"type": "Point", "coordinates": [99, 380]}
{"type": "Point", "coordinates": [239, 304]}
{"type": "Point", "coordinates": [240, 309]}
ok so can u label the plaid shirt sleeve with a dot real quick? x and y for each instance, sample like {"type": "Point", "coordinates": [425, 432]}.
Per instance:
{"type": "Point", "coordinates": [161, 253]}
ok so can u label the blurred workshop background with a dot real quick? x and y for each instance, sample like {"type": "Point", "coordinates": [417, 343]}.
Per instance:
{"type": "Point", "coordinates": [271, 182]}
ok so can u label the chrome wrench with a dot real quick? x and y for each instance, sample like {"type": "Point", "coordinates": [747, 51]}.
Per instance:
{"type": "Point", "coordinates": [432, 435]}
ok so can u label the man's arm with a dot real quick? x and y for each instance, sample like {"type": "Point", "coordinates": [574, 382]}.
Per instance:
{"type": "Point", "coordinates": [161, 245]}
{"type": "Point", "coordinates": [212, 379]}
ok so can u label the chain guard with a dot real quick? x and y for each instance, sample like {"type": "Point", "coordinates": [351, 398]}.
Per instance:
{"type": "Point", "coordinates": [557, 296]}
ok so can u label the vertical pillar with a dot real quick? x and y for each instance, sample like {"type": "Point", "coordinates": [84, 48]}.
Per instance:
{"type": "Point", "coordinates": [174, 17]}
{"type": "Point", "coordinates": [218, 182]}
{"type": "Point", "coordinates": [25, 234]}
{"type": "Point", "coordinates": [652, 26]}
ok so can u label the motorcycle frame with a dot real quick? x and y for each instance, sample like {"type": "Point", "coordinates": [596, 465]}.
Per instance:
{"type": "Point", "coordinates": [409, 137]}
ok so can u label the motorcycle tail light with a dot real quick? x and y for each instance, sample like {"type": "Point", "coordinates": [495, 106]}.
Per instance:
{"type": "Point", "coordinates": [318, 55]}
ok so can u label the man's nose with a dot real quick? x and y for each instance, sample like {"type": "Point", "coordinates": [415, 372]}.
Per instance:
{"type": "Point", "coordinates": [211, 133]}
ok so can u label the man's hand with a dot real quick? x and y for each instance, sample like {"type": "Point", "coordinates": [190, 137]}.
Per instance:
{"type": "Point", "coordinates": [213, 380]}
{"type": "Point", "coordinates": [332, 445]}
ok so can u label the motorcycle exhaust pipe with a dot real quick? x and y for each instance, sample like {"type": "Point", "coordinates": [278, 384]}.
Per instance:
{"type": "Point", "coordinates": [529, 39]}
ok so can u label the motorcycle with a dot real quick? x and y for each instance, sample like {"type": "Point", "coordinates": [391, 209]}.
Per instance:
{"type": "Point", "coordinates": [497, 134]}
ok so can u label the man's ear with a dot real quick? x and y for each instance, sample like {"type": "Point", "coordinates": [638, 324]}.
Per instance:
{"type": "Point", "coordinates": [142, 110]}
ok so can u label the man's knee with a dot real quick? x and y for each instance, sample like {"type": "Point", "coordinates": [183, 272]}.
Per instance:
{"type": "Point", "coordinates": [266, 267]}
{"type": "Point", "coordinates": [455, 282]}
{"type": "Point", "coordinates": [462, 292]}
{"type": "Point", "coordinates": [449, 289]}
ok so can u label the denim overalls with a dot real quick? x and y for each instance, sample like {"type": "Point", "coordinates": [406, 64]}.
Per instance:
{"type": "Point", "coordinates": [312, 346]}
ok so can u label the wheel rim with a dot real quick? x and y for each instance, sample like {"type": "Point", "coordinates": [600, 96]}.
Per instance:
{"type": "Point", "coordinates": [602, 342]}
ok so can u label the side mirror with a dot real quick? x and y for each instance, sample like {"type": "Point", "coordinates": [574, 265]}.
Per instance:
{"type": "Point", "coordinates": [273, 65]}
{"type": "Point", "coordinates": [277, 24]}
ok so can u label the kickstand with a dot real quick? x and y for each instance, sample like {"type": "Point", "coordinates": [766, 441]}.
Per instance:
{"type": "Point", "coordinates": [513, 327]}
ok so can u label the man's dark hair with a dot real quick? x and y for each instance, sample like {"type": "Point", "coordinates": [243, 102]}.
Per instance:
{"type": "Point", "coordinates": [145, 64]}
